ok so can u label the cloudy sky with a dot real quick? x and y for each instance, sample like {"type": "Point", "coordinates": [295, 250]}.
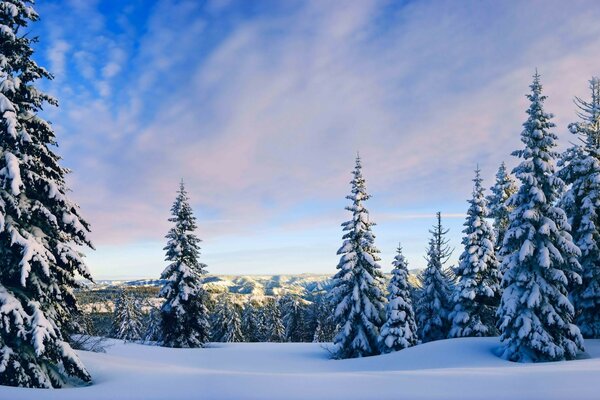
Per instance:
{"type": "Point", "coordinates": [261, 106]}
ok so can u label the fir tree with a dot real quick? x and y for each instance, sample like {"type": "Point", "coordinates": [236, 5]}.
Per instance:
{"type": "Point", "coordinates": [434, 300]}
{"type": "Point", "coordinates": [127, 319]}
{"type": "Point", "coordinates": [226, 321]}
{"type": "Point", "coordinates": [540, 259]}
{"type": "Point", "coordinates": [477, 293]}
{"type": "Point", "coordinates": [184, 313]}
{"type": "Point", "coordinates": [324, 325]}
{"type": "Point", "coordinates": [498, 207]}
{"type": "Point", "coordinates": [400, 329]}
{"type": "Point", "coordinates": [40, 227]}
{"type": "Point", "coordinates": [356, 288]}
{"type": "Point", "coordinates": [293, 318]}
{"type": "Point", "coordinates": [581, 169]}
{"type": "Point", "coordinates": [153, 325]}
{"type": "Point", "coordinates": [270, 325]}
{"type": "Point", "coordinates": [251, 329]}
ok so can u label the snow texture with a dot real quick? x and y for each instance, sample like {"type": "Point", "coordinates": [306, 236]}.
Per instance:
{"type": "Point", "coordinates": [456, 369]}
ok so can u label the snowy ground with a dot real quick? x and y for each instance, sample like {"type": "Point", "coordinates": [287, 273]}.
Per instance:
{"type": "Point", "coordinates": [449, 369]}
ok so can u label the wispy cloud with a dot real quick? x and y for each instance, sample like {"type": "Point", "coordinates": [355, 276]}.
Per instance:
{"type": "Point", "coordinates": [261, 106]}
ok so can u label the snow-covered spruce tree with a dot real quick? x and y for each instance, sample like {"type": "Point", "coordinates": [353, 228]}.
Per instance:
{"type": "Point", "coordinates": [357, 286]}
{"type": "Point", "coordinates": [275, 322]}
{"type": "Point", "coordinates": [40, 227]}
{"type": "Point", "coordinates": [400, 329]}
{"type": "Point", "coordinates": [434, 295]}
{"type": "Point", "coordinates": [581, 170]}
{"type": "Point", "coordinates": [226, 321]}
{"type": "Point", "coordinates": [152, 322]}
{"type": "Point", "coordinates": [324, 325]}
{"type": "Point", "coordinates": [293, 313]}
{"type": "Point", "coordinates": [127, 318]}
{"type": "Point", "coordinates": [498, 209]}
{"type": "Point", "coordinates": [251, 328]}
{"type": "Point", "coordinates": [184, 313]}
{"type": "Point", "coordinates": [540, 258]}
{"type": "Point", "coordinates": [477, 292]}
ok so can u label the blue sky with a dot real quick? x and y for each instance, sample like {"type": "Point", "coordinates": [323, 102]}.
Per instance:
{"type": "Point", "coordinates": [261, 106]}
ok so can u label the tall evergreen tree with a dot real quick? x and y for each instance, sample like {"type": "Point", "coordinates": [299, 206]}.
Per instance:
{"type": "Point", "coordinates": [498, 207]}
{"type": "Point", "coordinates": [293, 312]}
{"type": "Point", "coordinates": [226, 321]}
{"type": "Point", "coordinates": [400, 329]}
{"type": "Point", "coordinates": [270, 324]}
{"type": "Point", "coordinates": [127, 318]}
{"type": "Point", "coordinates": [251, 328]}
{"type": "Point", "coordinates": [581, 169]}
{"type": "Point", "coordinates": [434, 295]}
{"type": "Point", "coordinates": [324, 326]}
{"type": "Point", "coordinates": [356, 288]}
{"type": "Point", "coordinates": [477, 292]}
{"type": "Point", "coordinates": [184, 313]}
{"type": "Point", "coordinates": [540, 258]}
{"type": "Point", "coordinates": [40, 227]}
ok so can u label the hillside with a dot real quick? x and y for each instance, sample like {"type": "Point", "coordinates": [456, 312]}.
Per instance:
{"type": "Point", "coordinates": [448, 369]}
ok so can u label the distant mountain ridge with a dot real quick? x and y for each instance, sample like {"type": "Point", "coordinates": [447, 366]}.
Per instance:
{"type": "Point", "coordinates": [249, 285]}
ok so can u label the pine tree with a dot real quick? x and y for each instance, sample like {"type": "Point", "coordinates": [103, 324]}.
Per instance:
{"type": "Point", "coordinates": [250, 322]}
{"type": "Point", "coordinates": [270, 326]}
{"type": "Point", "coordinates": [540, 259]}
{"type": "Point", "coordinates": [184, 313]}
{"type": "Point", "coordinates": [499, 210]}
{"type": "Point", "coordinates": [434, 302]}
{"type": "Point", "coordinates": [324, 325]}
{"type": "Point", "coordinates": [127, 319]}
{"type": "Point", "coordinates": [153, 325]}
{"type": "Point", "coordinates": [293, 318]}
{"type": "Point", "coordinates": [40, 227]}
{"type": "Point", "coordinates": [226, 321]}
{"type": "Point", "coordinates": [477, 293]}
{"type": "Point", "coordinates": [400, 329]}
{"type": "Point", "coordinates": [581, 169]}
{"type": "Point", "coordinates": [356, 288]}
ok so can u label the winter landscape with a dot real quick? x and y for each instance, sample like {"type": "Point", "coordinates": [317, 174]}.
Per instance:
{"type": "Point", "coordinates": [230, 199]}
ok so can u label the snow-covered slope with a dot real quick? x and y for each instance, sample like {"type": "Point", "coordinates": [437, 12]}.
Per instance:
{"type": "Point", "coordinates": [448, 369]}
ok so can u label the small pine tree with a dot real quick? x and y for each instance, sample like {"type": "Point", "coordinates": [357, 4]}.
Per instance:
{"type": "Point", "coordinates": [184, 313]}
{"type": "Point", "coordinates": [540, 259]}
{"type": "Point", "coordinates": [400, 329]}
{"type": "Point", "coordinates": [356, 288]}
{"type": "Point", "coordinates": [40, 227]}
{"type": "Point", "coordinates": [434, 302]}
{"type": "Point", "coordinates": [498, 207]}
{"type": "Point", "coordinates": [127, 318]}
{"type": "Point", "coordinates": [153, 323]}
{"type": "Point", "coordinates": [477, 293]}
{"type": "Point", "coordinates": [581, 169]}
{"type": "Point", "coordinates": [226, 321]}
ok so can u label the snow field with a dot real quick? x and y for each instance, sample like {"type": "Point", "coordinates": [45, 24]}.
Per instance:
{"type": "Point", "coordinates": [448, 369]}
